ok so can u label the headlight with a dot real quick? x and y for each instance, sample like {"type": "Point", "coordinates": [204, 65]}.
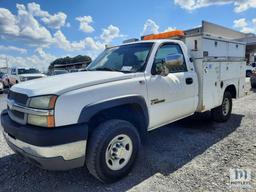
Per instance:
{"type": "Point", "coordinates": [23, 79]}
{"type": "Point", "coordinates": [47, 104]}
{"type": "Point", "coordinates": [43, 102]}
{"type": "Point", "coordinates": [42, 121]}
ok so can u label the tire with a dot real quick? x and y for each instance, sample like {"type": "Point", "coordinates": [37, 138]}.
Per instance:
{"type": "Point", "coordinates": [102, 142]}
{"type": "Point", "coordinates": [222, 114]}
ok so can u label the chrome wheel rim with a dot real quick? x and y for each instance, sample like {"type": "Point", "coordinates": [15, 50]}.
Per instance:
{"type": "Point", "coordinates": [225, 106]}
{"type": "Point", "coordinates": [118, 152]}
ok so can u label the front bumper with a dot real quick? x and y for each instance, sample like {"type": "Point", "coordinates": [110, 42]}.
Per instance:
{"type": "Point", "coordinates": [59, 148]}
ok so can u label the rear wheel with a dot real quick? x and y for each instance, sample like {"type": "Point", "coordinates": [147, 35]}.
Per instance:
{"type": "Point", "coordinates": [223, 112]}
{"type": "Point", "coordinates": [112, 150]}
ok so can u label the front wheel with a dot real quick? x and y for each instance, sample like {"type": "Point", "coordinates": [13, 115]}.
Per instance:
{"type": "Point", "coordinates": [112, 150]}
{"type": "Point", "coordinates": [223, 112]}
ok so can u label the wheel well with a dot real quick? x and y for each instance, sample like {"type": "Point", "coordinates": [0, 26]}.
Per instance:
{"type": "Point", "coordinates": [129, 112]}
{"type": "Point", "coordinates": [232, 90]}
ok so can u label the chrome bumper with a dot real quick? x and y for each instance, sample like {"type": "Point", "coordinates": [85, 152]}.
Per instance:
{"type": "Point", "coordinates": [60, 157]}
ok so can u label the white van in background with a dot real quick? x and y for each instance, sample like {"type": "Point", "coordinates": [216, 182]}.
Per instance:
{"type": "Point", "coordinates": [17, 75]}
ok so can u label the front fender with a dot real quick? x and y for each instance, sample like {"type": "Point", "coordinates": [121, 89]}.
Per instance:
{"type": "Point", "coordinates": [90, 110]}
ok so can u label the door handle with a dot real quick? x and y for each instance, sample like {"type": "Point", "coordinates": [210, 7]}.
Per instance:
{"type": "Point", "coordinates": [189, 81]}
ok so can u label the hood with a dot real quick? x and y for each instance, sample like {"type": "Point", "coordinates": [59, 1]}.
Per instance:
{"type": "Point", "coordinates": [32, 75]}
{"type": "Point", "coordinates": [67, 82]}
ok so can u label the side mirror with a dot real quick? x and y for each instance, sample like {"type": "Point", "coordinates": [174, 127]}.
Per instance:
{"type": "Point", "coordinates": [160, 68]}
{"type": "Point", "coordinates": [170, 63]}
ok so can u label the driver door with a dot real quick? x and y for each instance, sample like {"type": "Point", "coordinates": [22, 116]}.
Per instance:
{"type": "Point", "coordinates": [173, 96]}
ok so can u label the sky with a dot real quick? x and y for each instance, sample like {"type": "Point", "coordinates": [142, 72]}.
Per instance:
{"type": "Point", "coordinates": [34, 33]}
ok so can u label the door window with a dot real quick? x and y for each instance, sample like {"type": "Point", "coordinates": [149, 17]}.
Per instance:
{"type": "Point", "coordinates": [172, 51]}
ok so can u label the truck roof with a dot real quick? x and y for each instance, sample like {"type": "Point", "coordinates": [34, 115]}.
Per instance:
{"type": "Point", "coordinates": [153, 41]}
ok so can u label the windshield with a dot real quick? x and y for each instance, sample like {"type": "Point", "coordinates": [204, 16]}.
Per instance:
{"type": "Point", "coordinates": [125, 58]}
{"type": "Point", "coordinates": [26, 71]}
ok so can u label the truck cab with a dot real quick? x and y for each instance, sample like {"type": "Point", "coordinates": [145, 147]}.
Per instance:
{"type": "Point", "coordinates": [98, 117]}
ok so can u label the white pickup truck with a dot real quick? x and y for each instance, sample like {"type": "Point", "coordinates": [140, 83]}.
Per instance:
{"type": "Point", "coordinates": [98, 117]}
{"type": "Point", "coordinates": [19, 74]}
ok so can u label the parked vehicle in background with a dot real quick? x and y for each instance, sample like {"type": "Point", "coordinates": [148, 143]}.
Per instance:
{"type": "Point", "coordinates": [17, 75]}
{"type": "Point", "coordinates": [1, 82]}
{"type": "Point", "coordinates": [58, 72]}
{"type": "Point", "coordinates": [1, 74]}
{"type": "Point", "coordinates": [253, 80]}
{"type": "Point", "coordinates": [5, 80]}
{"type": "Point", "coordinates": [1, 87]}
{"type": "Point", "coordinates": [73, 70]}
{"type": "Point", "coordinates": [249, 70]}
{"type": "Point", "coordinates": [82, 70]}
{"type": "Point", "coordinates": [99, 117]}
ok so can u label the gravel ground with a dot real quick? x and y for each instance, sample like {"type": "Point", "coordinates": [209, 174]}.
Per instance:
{"type": "Point", "coordinates": [194, 154]}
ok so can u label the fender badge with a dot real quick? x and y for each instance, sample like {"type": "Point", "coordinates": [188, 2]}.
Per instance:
{"type": "Point", "coordinates": [156, 101]}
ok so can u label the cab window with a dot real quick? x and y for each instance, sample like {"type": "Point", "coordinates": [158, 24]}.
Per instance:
{"type": "Point", "coordinates": [13, 71]}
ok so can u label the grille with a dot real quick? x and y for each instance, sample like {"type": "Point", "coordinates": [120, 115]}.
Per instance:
{"type": "Point", "coordinates": [18, 98]}
{"type": "Point", "coordinates": [17, 114]}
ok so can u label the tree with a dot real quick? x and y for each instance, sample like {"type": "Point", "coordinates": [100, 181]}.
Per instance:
{"type": "Point", "coordinates": [69, 60]}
